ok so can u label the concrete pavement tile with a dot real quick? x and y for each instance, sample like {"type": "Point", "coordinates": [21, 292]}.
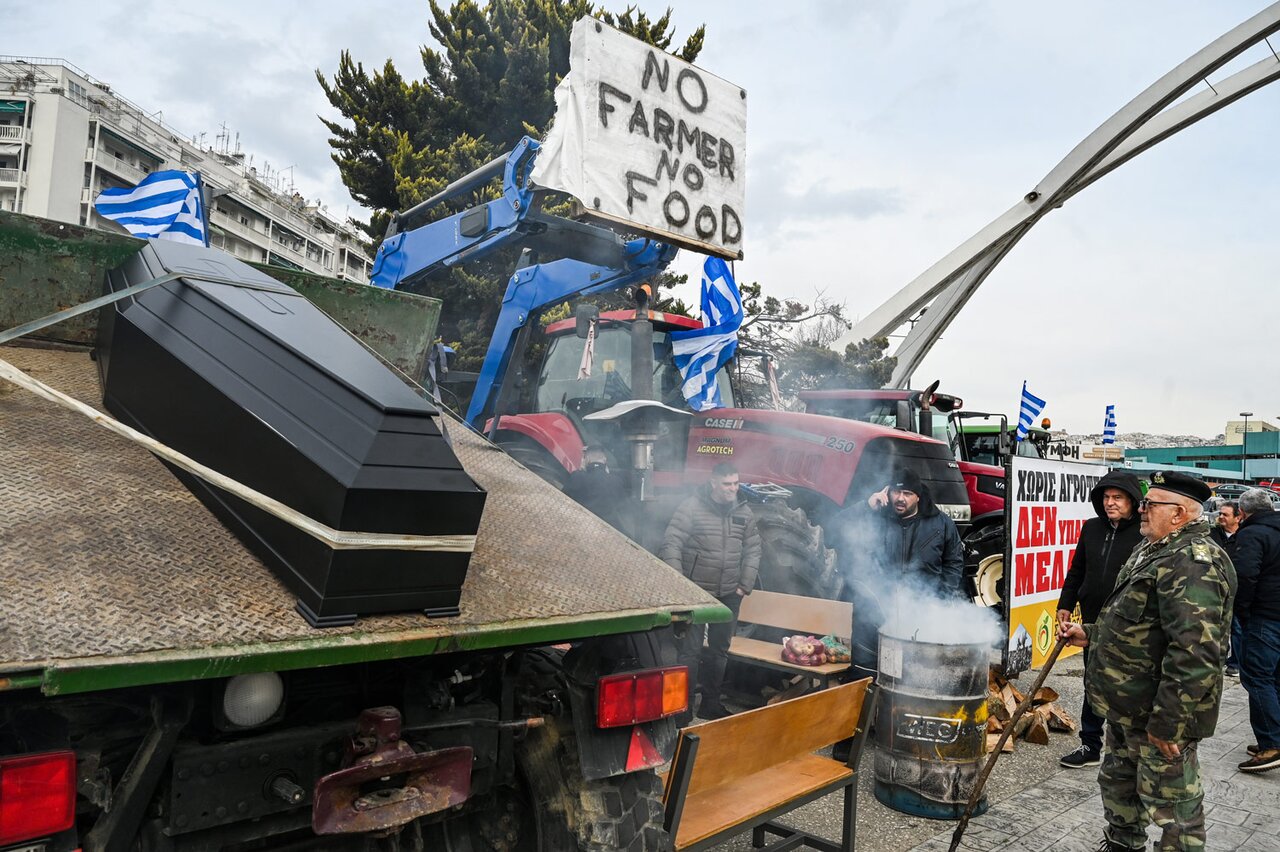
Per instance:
{"type": "Point", "coordinates": [1261, 842]}
{"type": "Point", "coordinates": [1226, 814]}
{"type": "Point", "coordinates": [1224, 836]}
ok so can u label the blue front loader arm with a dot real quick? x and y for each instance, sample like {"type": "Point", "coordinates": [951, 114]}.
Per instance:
{"type": "Point", "coordinates": [407, 257]}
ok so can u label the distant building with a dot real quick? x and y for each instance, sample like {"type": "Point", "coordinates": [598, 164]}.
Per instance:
{"type": "Point", "coordinates": [1234, 433]}
{"type": "Point", "coordinates": [1260, 459]}
{"type": "Point", "coordinates": [64, 137]}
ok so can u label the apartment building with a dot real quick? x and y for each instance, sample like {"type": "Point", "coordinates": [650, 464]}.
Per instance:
{"type": "Point", "coordinates": [64, 137]}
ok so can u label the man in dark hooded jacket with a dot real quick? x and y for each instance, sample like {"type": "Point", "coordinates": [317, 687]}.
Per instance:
{"type": "Point", "coordinates": [900, 540]}
{"type": "Point", "coordinates": [1257, 562]}
{"type": "Point", "coordinates": [1105, 543]}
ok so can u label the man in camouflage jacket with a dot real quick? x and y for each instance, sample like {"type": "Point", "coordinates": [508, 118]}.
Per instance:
{"type": "Point", "coordinates": [1155, 669]}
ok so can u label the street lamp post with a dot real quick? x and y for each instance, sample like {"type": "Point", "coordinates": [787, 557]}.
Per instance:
{"type": "Point", "coordinates": [1244, 447]}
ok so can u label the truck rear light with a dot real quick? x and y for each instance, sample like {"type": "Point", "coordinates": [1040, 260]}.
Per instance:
{"type": "Point", "coordinates": [37, 795]}
{"type": "Point", "coordinates": [625, 699]}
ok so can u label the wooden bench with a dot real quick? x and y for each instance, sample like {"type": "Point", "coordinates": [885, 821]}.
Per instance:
{"type": "Point", "coordinates": [807, 616]}
{"type": "Point", "coordinates": [744, 771]}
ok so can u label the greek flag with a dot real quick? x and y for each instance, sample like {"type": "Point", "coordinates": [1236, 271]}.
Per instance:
{"type": "Point", "coordinates": [698, 354]}
{"type": "Point", "coordinates": [1109, 426]}
{"type": "Point", "coordinates": [1032, 405]}
{"type": "Point", "coordinates": [165, 206]}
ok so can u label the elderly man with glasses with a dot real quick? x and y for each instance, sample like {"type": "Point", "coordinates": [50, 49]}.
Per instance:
{"type": "Point", "coordinates": [1157, 650]}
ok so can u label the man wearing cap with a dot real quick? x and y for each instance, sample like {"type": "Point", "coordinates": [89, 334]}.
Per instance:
{"type": "Point", "coordinates": [1154, 672]}
{"type": "Point", "coordinates": [899, 541]}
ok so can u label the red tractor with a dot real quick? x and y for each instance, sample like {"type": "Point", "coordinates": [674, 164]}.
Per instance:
{"type": "Point", "coordinates": [980, 449]}
{"type": "Point", "coordinates": [799, 469]}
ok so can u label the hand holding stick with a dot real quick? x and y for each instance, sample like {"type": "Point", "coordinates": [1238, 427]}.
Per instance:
{"type": "Point", "coordinates": [1004, 737]}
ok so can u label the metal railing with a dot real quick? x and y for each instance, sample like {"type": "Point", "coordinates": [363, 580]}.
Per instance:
{"type": "Point", "coordinates": [115, 165]}
{"type": "Point", "coordinates": [14, 133]}
{"type": "Point", "coordinates": [13, 176]}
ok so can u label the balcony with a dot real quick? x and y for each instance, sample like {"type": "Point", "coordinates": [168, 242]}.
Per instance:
{"type": "Point", "coordinates": [12, 177]}
{"type": "Point", "coordinates": [14, 134]}
{"type": "Point", "coordinates": [118, 167]}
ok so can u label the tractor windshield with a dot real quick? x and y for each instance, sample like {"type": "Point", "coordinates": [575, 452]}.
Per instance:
{"type": "Point", "coordinates": [560, 389]}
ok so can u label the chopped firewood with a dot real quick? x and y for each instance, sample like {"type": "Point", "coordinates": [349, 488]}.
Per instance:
{"type": "Point", "coordinates": [1059, 720]}
{"type": "Point", "coordinates": [992, 739]}
{"type": "Point", "coordinates": [1018, 696]}
{"type": "Point", "coordinates": [1038, 731]}
{"type": "Point", "coordinates": [1011, 698]}
{"type": "Point", "coordinates": [996, 708]}
{"type": "Point", "coordinates": [994, 725]}
{"type": "Point", "coordinates": [1044, 695]}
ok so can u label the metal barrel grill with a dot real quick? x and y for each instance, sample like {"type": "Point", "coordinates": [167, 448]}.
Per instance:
{"type": "Point", "coordinates": [931, 723]}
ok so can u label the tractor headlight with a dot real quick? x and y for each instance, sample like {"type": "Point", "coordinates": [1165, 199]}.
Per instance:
{"type": "Point", "coordinates": [253, 699]}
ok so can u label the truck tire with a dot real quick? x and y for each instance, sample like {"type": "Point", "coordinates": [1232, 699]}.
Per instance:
{"type": "Point", "coordinates": [619, 814]}
{"type": "Point", "coordinates": [984, 556]}
{"type": "Point", "coordinates": [795, 558]}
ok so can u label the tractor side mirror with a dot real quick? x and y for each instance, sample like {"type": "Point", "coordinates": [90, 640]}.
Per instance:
{"type": "Point", "coordinates": [1005, 444]}
{"type": "Point", "coordinates": [583, 316]}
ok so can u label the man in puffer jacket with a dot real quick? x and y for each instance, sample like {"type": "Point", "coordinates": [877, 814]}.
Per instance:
{"type": "Point", "coordinates": [712, 540]}
{"type": "Point", "coordinates": [1105, 543]}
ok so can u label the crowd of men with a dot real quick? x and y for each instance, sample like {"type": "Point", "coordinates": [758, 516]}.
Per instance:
{"type": "Point", "coordinates": [1167, 607]}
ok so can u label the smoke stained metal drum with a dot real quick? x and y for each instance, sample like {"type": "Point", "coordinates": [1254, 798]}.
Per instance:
{"type": "Point", "coordinates": [931, 725]}
{"type": "Point", "coordinates": [241, 373]}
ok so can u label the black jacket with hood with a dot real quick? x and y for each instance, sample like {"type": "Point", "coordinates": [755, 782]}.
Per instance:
{"type": "Point", "coordinates": [1257, 561]}
{"type": "Point", "coordinates": [1101, 550]}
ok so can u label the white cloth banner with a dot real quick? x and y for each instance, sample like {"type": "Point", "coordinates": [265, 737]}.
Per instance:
{"type": "Point", "coordinates": [646, 139]}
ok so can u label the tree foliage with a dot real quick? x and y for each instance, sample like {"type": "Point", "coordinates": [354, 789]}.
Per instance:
{"type": "Point", "coordinates": [489, 79]}
{"type": "Point", "coordinates": [798, 337]}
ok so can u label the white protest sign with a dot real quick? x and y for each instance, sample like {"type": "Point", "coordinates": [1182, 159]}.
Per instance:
{"type": "Point", "coordinates": [643, 138]}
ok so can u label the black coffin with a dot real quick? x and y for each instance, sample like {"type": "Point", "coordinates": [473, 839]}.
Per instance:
{"type": "Point", "coordinates": [257, 383]}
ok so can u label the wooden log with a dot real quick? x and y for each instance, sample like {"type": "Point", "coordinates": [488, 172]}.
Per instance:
{"type": "Point", "coordinates": [1060, 720]}
{"type": "Point", "coordinates": [1011, 701]}
{"type": "Point", "coordinates": [994, 739]}
{"type": "Point", "coordinates": [996, 706]}
{"type": "Point", "coordinates": [994, 725]}
{"type": "Point", "coordinates": [1038, 731]}
{"type": "Point", "coordinates": [1045, 695]}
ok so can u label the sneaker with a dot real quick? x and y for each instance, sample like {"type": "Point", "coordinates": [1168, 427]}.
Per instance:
{"type": "Point", "coordinates": [1080, 758]}
{"type": "Point", "coordinates": [1253, 749]}
{"type": "Point", "coordinates": [1232, 671]}
{"type": "Point", "coordinates": [1262, 761]}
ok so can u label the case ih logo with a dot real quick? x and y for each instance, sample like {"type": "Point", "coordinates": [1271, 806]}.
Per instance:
{"type": "Point", "coordinates": [721, 423]}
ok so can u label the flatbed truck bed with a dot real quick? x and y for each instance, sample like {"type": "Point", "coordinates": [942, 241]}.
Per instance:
{"type": "Point", "coordinates": [114, 575]}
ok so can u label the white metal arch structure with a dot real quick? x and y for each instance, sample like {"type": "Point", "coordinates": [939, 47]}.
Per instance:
{"type": "Point", "coordinates": [1143, 122]}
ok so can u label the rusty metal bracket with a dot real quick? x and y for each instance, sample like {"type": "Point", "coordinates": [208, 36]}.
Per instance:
{"type": "Point", "coordinates": [388, 784]}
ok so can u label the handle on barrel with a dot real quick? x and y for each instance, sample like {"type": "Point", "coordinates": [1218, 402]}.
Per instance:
{"type": "Point", "coordinates": [1004, 737]}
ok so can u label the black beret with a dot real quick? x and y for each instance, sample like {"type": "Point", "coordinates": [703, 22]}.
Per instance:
{"type": "Point", "coordinates": [1181, 483]}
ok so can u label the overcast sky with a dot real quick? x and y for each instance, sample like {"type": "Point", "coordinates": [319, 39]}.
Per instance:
{"type": "Point", "coordinates": [880, 136]}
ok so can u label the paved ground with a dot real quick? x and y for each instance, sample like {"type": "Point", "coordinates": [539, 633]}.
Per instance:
{"type": "Point", "coordinates": [1036, 805]}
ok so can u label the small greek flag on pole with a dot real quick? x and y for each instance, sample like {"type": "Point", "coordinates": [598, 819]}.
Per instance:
{"type": "Point", "coordinates": [1032, 405]}
{"type": "Point", "coordinates": [164, 206]}
{"type": "Point", "coordinates": [698, 354]}
{"type": "Point", "coordinates": [1109, 426]}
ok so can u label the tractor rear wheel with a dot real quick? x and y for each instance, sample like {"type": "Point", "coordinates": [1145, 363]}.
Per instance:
{"type": "Point", "coordinates": [795, 558]}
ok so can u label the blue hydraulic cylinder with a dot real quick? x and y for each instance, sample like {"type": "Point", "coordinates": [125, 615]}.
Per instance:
{"type": "Point", "coordinates": [541, 285]}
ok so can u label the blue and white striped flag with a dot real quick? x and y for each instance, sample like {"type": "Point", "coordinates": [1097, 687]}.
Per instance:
{"type": "Point", "coordinates": [1032, 405]}
{"type": "Point", "coordinates": [698, 354]}
{"type": "Point", "coordinates": [164, 206]}
{"type": "Point", "coordinates": [1109, 426]}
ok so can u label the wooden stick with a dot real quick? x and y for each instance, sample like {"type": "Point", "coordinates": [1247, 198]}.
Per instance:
{"type": "Point", "coordinates": [995, 753]}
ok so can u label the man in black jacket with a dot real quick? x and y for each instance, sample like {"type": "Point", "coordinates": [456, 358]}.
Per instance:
{"type": "Point", "coordinates": [1224, 533]}
{"type": "Point", "coordinates": [1257, 561]}
{"type": "Point", "coordinates": [1105, 544]}
{"type": "Point", "coordinates": [900, 540]}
